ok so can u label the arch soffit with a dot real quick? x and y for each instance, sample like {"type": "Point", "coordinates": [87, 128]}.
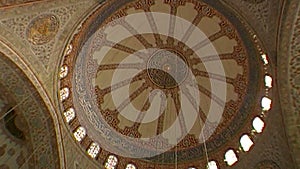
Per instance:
{"type": "Point", "coordinates": [34, 92]}
{"type": "Point", "coordinates": [288, 62]}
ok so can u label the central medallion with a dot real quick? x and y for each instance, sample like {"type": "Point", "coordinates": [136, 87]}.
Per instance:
{"type": "Point", "coordinates": [167, 69]}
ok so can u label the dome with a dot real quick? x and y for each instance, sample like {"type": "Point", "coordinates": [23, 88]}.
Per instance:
{"type": "Point", "coordinates": [161, 84]}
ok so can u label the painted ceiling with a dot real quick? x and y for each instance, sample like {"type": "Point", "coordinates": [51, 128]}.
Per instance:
{"type": "Point", "coordinates": [149, 84]}
{"type": "Point", "coordinates": [163, 83]}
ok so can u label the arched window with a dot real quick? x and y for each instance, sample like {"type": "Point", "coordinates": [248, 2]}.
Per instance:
{"type": "Point", "coordinates": [268, 81]}
{"type": "Point", "coordinates": [68, 49]}
{"type": "Point", "coordinates": [63, 71]}
{"type": "Point", "coordinates": [230, 157]}
{"type": "Point", "coordinates": [212, 165]}
{"type": "Point", "coordinates": [130, 166]}
{"type": "Point", "coordinates": [69, 115]}
{"type": "Point", "coordinates": [80, 133]}
{"type": "Point", "coordinates": [246, 142]}
{"type": "Point", "coordinates": [266, 103]}
{"type": "Point", "coordinates": [64, 94]}
{"type": "Point", "coordinates": [93, 150]}
{"type": "Point", "coordinates": [265, 59]}
{"type": "Point", "coordinates": [258, 124]}
{"type": "Point", "coordinates": [111, 162]}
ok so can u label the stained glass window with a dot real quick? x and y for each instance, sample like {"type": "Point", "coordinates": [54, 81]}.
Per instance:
{"type": "Point", "coordinates": [63, 71]}
{"type": "Point", "coordinates": [64, 94]}
{"type": "Point", "coordinates": [69, 115]}
{"type": "Point", "coordinates": [111, 162]}
{"type": "Point", "coordinates": [69, 49]}
{"type": "Point", "coordinates": [80, 133]}
{"type": "Point", "coordinates": [93, 150]}
{"type": "Point", "coordinates": [130, 166]}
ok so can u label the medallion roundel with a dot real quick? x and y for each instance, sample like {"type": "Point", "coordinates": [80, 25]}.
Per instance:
{"type": "Point", "coordinates": [42, 29]}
